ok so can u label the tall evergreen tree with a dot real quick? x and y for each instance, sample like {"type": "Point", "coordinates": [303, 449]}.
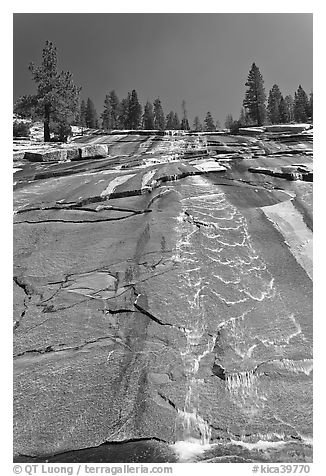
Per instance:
{"type": "Point", "coordinates": [243, 118]}
{"type": "Point", "coordinates": [197, 126]}
{"type": "Point", "coordinates": [283, 113]}
{"type": "Point", "coordinates": [228, 121]}
{"type": "Point", "coordinates": [255, 97]}
{"type": "Point", "coordinates": [209, 123]}
{"type": "Point", "coordinates": [311, 105]}
{"type": "Point", "coordinates": [82, 115]}
{"type": "Point", "coordinates": [106, 114]}
{"type": "Point", "coordinates": [289, 103]}
{"type": "Point", "coordinates": [301, 105]}
{"type": "Point", "coordinates": [159, 119]}
{"type": "Point", "coordinates": [91, 115]}
{"type": "Point", "coordinates": [135, 111]}
{"type": "Point", "coordinates": [57, 95]}
{"type": "Point", "coordinates": [114, 103]}
{"type": "Point", "coordinates": [123, 113]}
{"type": "Point", "coordinates": [273, 105]}
{"type": "Point", "coordinates": [184, 123]}
{"type": "Point", "coordinates": [169, 124]}
{"type": "Point", "coordinates": [27, 107]}
{"type": "Point", "coordinates": [148, 116]}
{"type": "Point", "coordinates": [176, 122]}
{"type": "Point", "coordinates": [109, 115]}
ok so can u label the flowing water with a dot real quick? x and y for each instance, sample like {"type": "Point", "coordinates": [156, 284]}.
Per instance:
{"type": "Point", "coordinates": [247, 358]}
{"type": "Point", "coordinates": [238, 321]}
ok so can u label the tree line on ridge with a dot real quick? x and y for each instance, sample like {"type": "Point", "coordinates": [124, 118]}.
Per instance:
{"type": "Point", "coordinates": [57, 103]}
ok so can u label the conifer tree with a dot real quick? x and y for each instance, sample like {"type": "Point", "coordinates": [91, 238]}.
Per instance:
{"type": "Point", "coordinates": [289, 103]}
{"type": "Point", "coordinates": [283, 115]}
{"type": "Point", "coordinates": [109, 115]}
{"type": "Point", "coordinates": [184, 123]}
{"type": "Point", "coordinates": [148, 116]}
{"type": "Point", "coordinates": [159, 119]}
{"type": "Point", "coordinates": [176, 122]}
{"type": "Point", "coordinates": [243, 118]}
{"type": "Point", "coordinates": [209, 123]}
{"type": "Point", "coordinates": [57, 95]}
{"type": "Point", "coordinates": [301, 105]}
{"type": "Point", "coordinates": [91, 115]}
{"type": "Point", "coordinates": [169, 124]}
{"type": "Point", "coordinates": [106, 114]}
{"type": "Point", "coordinates": [228, 121]}
{"type": "Point", "coordinates": [123, 113]}
{"type": "Point", "coordinates": [26, 107]}
{"type": "Point", "coordinates": [197, 126]}
{"type": "Point", "coordinates": [134, 111]}
{"type": "Point", "coordinates": [255, 97]}
{"type": "Point", "coordinates": [82, 114]}
{"type": "Point", "coordinates": [114, 103]}
{"type": "Point", "coordinates": [273, 105]}
{"type": "Point", "coordinates": [310, 114]}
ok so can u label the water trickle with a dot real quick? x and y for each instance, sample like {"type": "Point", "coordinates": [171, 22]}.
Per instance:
{"type": "Point", "coordinates": [240, 380]}
{"type": "Point", "coordinates": [225, 284]}
{"type": "Point", "coordinates": [194, 427]}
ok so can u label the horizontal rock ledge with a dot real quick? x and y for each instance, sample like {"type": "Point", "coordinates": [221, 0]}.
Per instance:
{"type": "Point", "coordinates": [94, 151]}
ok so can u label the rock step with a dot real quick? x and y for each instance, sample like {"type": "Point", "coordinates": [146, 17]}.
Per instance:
{"type": "Point", "coordinates": [289, 172]}
{"type": "Point", "coordinates": [94, 151]}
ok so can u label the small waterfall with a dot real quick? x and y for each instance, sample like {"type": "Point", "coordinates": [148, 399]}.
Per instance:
{"type": "Point", "coordinates": [240, 380]}
{"type": "Point", "coordinates": [245, 392]}
{"type": "Point", "coordinates": [194, 428]}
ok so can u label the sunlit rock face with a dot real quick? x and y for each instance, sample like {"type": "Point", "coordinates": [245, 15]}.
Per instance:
{"type": "Point", "coordinates": [162, 307]}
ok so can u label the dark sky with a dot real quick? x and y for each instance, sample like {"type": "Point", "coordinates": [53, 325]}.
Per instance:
{"type": "Point", "coordinates": [201, 58]}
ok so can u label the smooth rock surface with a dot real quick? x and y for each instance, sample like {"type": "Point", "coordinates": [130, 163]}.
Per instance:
{"type": "Point", "coordinates": [156, 307]}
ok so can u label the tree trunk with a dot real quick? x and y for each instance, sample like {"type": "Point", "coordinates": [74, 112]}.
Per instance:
{"type": "Point", "coordinates": [47, 123]}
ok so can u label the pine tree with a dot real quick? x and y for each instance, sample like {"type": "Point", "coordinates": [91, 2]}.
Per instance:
{"type": "Point", "coordinates": [148, 116]}
{"type": "Point", "coordinates": [106, 114]}
{"type": "Point", "coordinates": [255, 97]}
{"type": "Point", "coordinates": [184, 123]}
{"type": "Point", "coordinates": [169, 121]}
{"type": "Point", "coordinates": [176, 122]}
{"type": "Point", "coordinates": [197, 125]}
{"type": "Point", "coordinates": [282, 109]}
{"type": "Point", "coordinates": [243, 118]}
{"type": "Point", "coordinates": [209, 123]}
{"type": "Point", "coordinates": [109, 115]}
{"type": "Point", "coordinates": [301, 105]}
{"type": "Point", "coordinates": [123, 113]}
{"type": "Point", "coordinates": [289, 103]}
{"type": "Point", "coordinates": [134, 111]}
{"type": "Point", "coordinates": [273, 105]}
{"type": "Point", "coordinates": [91, 115]}
{"type": "Point", "coordinates": [57, 95]}
{"type": "Point", "coordinates": [310, 113]}
{"type": "Point", "coordinates": [159, 120]}
{"type": "Point", "coordinates": [114, 103]}
{"type": "Point", "coordinates": [82, 115]}
{"type": "Point", "coordinates": [26, 107]}
{"type": "Point", "coordinates": [228, 121]}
